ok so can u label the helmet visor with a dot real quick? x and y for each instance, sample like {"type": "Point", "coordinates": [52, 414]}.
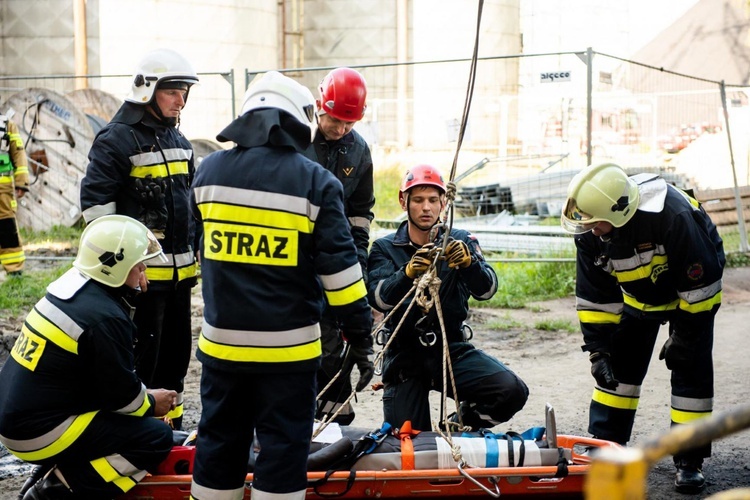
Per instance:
{"type": "Point", "coordinates": [154, 250]}
{"type": "Point", "coordinates": [576, 221]}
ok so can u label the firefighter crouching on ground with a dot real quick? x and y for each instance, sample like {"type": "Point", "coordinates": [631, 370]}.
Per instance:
{"type": "Point", "coordinates": [14, 184]}
{"type": "Point", "coordinates": [489, 393]}
{"type": "Point", "coordinates": [276, 247]}
{"type": "Point", "coordinates": [648, 254]}
{"type": "Point", "coordinates": [341, 103]}
{"type": "Point", "coordinates": [141, 165]}
{"type": "Point", "coordinates": [70, 399]}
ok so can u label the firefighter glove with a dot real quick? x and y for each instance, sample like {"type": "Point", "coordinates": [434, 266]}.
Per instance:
{"type": "Point", "coordinates": [601, 369]}
{"type": "Point", "coordinates": [458, 255]}
{"type": "Point", "coordinates": [151, 197]}
{"type": "Point", "coordinates": [362, 355]}
{"type": "Point", "coordinates": [677, 352]}
{"type": "Point", "coordinates": [420, 261]}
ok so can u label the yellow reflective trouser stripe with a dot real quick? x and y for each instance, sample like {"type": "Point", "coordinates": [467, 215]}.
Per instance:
{"type": "Point", "coordinates": [110, 474]}
{"type": "Point", "coordinates": [615, 401]}
{"type": "Point", "coordinates": [347, 295]}
{"type": "Point", "coordinates": [6, 179]}
{"type": "Point", "coordinates": [287, 354]}
{"type": "Point", "coordinates": [685, 417]}
{"type": "Point", "coordinates": [598, 317]}
{"type": "Point", "coordinates": [259, 216]}
{"type": "Point", "coordinates": [22, 169]}
{"type": "Point", "coordinates": [72, 433]}
{"type": "Point", "coordinates": [13, 257]}
{"type": "Point", "coordinates": [702, 306]}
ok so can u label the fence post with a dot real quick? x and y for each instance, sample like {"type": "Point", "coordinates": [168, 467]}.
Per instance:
{"type": "Point", "coordinates": [589, 104]}
{"type": "Point", "coordinates": [737, 198]}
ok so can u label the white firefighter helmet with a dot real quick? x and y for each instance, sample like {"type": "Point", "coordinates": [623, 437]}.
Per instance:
{"type": "Point", "coordinates": [274, 90]}
{"type": "Point", "coordinates": [111, 246]}
{"type": "Point", "coordinates": [157, 67]}
{"type": "Point", "coordinates": [596, 194]}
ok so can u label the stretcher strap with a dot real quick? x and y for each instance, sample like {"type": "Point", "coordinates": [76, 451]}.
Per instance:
{"type": "Point", "coordinates": [407, 446]}
{"type": "Point", "coordinates": [492, 451]}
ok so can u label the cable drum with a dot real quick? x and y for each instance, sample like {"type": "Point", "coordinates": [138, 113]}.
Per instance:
{"type": "Point", "coordinates": [202, 148]}
{"type": "Point", "coordinates": [57, 137]}
{"type": "Point", "coordinates": [98, 105]}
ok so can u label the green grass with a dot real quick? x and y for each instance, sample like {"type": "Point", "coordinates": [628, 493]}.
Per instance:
{"type": "Point", "coordinates": [18, 295]}
{"type": "Point", "coordinates": [523, 282]}
{"type": "Point", "coordinates": [555, 325]}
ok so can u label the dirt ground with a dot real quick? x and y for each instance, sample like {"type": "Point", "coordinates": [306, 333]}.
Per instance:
{"type": "Point", "coordinates": [557, 372]}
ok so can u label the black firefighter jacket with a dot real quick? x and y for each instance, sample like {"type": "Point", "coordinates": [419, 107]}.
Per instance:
{"type": "Point", "coordinates": [388, 284]}
{"type": "Point", "coordinates": [73, 358]}
{"type": "Point", "coordinates": [349, 159]}
{"type": "Point", "coordinates": [666, 263]}
{"type": "Point", "coordinates": [276, 246]}
{"type": "Point", "coordinates": [134, 149]}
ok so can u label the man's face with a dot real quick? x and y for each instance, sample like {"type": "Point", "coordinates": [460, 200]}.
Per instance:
{"type": "Point", "coordinates": [332, 128]}
{"type": "Point", "coordinates": [602, 228]}
{"type": "Point", "coordinates": [170, 101]}
{"type": "Point", "coordinates": [424, 206]}
{"type": "Point", "coordinates": [136, 275]}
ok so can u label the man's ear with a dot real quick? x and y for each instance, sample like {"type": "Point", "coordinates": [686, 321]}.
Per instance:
{"type": "Point", "coordinates": [403, 200]}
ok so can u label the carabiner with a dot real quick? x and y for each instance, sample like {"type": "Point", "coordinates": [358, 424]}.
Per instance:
{"type": "Point", "coordinates": [428, 339]}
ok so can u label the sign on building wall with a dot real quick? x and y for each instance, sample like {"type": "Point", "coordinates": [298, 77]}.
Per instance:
{"type": "Point", "coordinates": [556, 76]}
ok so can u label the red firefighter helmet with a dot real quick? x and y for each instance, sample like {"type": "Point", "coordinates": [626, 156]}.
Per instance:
{"type": "Point", "coordinates": [421, 175]}
{"type": "Point", "coordinates": [343, 93]}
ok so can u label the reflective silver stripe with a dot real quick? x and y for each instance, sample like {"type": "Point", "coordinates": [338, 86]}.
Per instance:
{"type": "Point", "coordinates": [261, 199]}
{"type": "Point", "coordinates": [97, 211]}
{"type": "Point", "coordinates": [136, 403]}
{"type": "Point", "coordinates": [491, 291]}
{"type": "Point", "coordinates": [59, 318]}
{"type": "Point", "coordinates": [362, 222]}
{"type": "Point", "coordinates": [205, 493]}
{"type": "Point", "coordinates": [39, 442]}
{"type": "Point", "coordinates": [700, 294]}
{"type": "Point", "coordinates": [122, 465]}
{"type": "Point", "coordinates": [692, 404]}
{"type": "Point", "coordinates": [182, 259]}
{"type": "Point", "coordinates": [382, 305]}
{"type": "Point", "coordinates": [587, 305]}
{"type": "Point", "coordinates": [155, 158]}
{"type": "Point", "coordinates": [638, 259]}
{"type": "Point", "coordinates": [342, 279]}
{"type": "Point", "coordinates": [627, 390]}
{"type": "Point", "coordinates": [256, 494]}
{"type": "Point", "coordinates": [250, 338]}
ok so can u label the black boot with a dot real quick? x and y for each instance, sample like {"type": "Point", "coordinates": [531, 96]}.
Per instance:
{"type": "Point", "coordinates": [689, 478]}
{"type": "Point", "coordinates": [49, 488]}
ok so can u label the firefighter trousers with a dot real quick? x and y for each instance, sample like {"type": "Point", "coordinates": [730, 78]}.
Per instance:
{"type": "Point", "coordinates": [112, 454]}
{"type": "Point", "coordinates": [12, 256]}
{"type": "Point", "coordinates": [164, 344]}
{"type": "Point", "coordinates": [280, 406]}
{"type": "Point", "coordinates": [612, 412]}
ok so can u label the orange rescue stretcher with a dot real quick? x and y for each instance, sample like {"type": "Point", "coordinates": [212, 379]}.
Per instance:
{"type": "Point", "coordinates": [404, 464]}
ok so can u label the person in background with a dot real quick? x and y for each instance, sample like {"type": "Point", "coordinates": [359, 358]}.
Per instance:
{"type": "Point", "coordinates": [70, 399]}
{"type": "Point", "coordinates": [648, 254]}
{"type": "Point", "coordinates": [342, 101]}
{"type": "Point", "coordinates": [489, 393]}
{"type": "Point", "coordinates": [14, 184]}
{"type": "Point", "coordinates": [142, 166]}
{"type": "Point", "coordinates": [276, 247]}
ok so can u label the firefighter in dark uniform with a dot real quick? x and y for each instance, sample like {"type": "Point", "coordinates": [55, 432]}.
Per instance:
{"type": "Point", "coordinates": [489, 393]}
{"type": "Point", "coordinates": [14, 184]}
{"type": "Point", "coordinates": [142, 166]}
{"type": "Point", "coordinates": [648, 254]}
{"type": "Point", "coordinates": [342, 151]}
{"type": "Point", "coordinates": [69, 397]}
{"type": "Point", "coordinates": [276, 246]}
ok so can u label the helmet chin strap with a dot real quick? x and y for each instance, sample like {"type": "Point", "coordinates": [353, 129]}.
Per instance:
{"type": "Point", "coordinates": [172, 122]}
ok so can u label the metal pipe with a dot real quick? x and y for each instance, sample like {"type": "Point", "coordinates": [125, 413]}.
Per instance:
{"type": "Point", "coordinates": [80, 43]}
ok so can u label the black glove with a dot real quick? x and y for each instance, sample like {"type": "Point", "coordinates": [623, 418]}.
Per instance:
{"type": "Point", "coordinates": [678, 353]}
{"type": "Point", "coordinates": [601, 369]}
{"type": "Point", "coordinates": [420, 261]}
{"type": "Point", "coordinates": [151, 198]}
{"type": "Point", "coordinates": [361, 354]}
{"type": "Point", "coordinates": [458, 255]}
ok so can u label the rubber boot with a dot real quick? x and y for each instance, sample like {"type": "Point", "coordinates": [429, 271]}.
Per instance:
{"type": "Point", "coordinates": [689, 477]}
{"type": "Point", "coordinates": [36, 474]}
{"type": "Point", "coordinates": [49, 488]}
